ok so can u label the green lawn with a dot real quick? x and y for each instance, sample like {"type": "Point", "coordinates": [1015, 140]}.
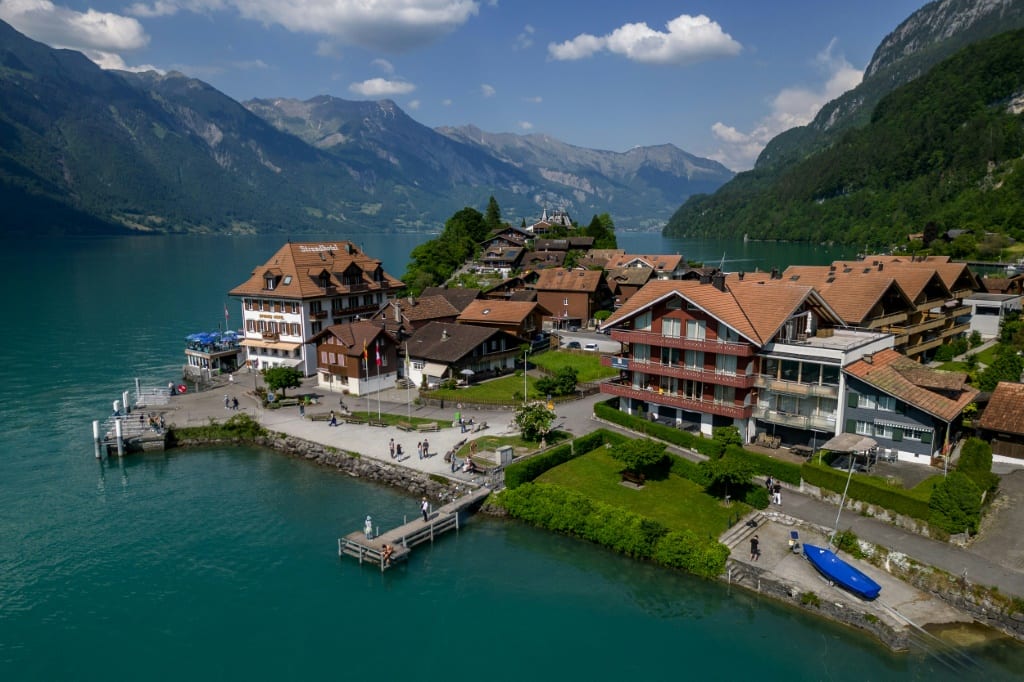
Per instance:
{"type": "Point", "coordinates": [953, 366]}
{"type": "Point", "coordinates": [494, 391]}
{"type": "Point", "coordinates": [588, 366]}
{"type": "Point", "coordinates": [678, 503]}
{"type": "Point", "coordinates": [988, 356]}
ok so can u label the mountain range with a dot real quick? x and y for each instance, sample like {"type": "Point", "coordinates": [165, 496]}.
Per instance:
{"type": "Point", "coordinates": [854, 175]}
{"type": "Point", "coordinates": [84, 150]}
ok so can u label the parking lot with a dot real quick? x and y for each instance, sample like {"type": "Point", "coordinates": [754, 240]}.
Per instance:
{"type": "Point", "coordinates": [587, 340]}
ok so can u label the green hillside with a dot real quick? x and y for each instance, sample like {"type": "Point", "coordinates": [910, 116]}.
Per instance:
{"type": "Point", "coordinates": [946, 148]}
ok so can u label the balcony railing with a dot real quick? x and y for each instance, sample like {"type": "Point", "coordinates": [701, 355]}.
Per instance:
{"type": "Point", "coordinates": [271, 336]}
{"type": "Point", "coordinates": [682, 372]}
{"type": "Point", "coordinates": [673, 400]}
{"type": "Point", "coordinates": [318, 315]}
{"type": "Point", "coordinates": [922, 346]}
{"type": "Point", "coordinates": [956, 329]}
{"type": "Point", "coordinates": [800, 421]}
{"type": "Point", "coordinates": [739, 349]}
{"type": "Point", "coordinates": [886, 320]}
{"type": "Point", "coordinates": [928, 305]}
{"type": "Point", "coordinates": [796, 387]}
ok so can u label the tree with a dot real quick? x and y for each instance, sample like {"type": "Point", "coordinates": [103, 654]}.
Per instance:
{"type": "Point", "coordinates": [726, 435]}
{"type": "Point", "coordinates": [955, 504]}
{"type": "Point", "coordinates": [493, 216]}
{"type": "Point", "coordinates": [562, 383]}
{"type": "Point", "coordinates": [281, 378]}
{"type": "Point", "coordinates": [534, 421]}
{"type": "Point", "coordinates": [1006, 367]}
{"type": "Point", "coordinates": [640, 455]}
{"type": "Point", "coordinates": [602, 229]}
{"type": "Point", "coordinates": [726, 471]}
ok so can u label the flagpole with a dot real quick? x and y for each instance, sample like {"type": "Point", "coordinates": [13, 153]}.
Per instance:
{"type": "Point", "coordinates": [408, 381]}
{"type": "Point", "coordinates": [366, 370]}
{"type": "Point", "coordinates": [378, 380]}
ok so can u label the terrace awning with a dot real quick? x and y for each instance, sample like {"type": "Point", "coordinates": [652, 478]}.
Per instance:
{"type": "Point", "coordinates": [849, 442]}
{"type": "Point", "coordinates": [435, 369]}
{"type": "Point", "coordinates": [276, 345]}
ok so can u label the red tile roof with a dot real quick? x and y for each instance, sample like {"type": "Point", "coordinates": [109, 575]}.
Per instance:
{"type": "Point", "coordinates": [897, 375]}
{"type": "Point", "coordinates": [299, 266]}
{"type": "Point", "coordinates": [497, 312]}
{"type": "Point", "coordinates": [1005, 411]}
{"type": "Point", "coordinates": [560, 279]}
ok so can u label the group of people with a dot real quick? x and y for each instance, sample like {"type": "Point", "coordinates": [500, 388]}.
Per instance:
{"type": "Point", "coordinates": [395, 449]}
{"type": "Point", "coordinates": [774, 490]}
{"type": "Point", "coordinates": [230, 402]}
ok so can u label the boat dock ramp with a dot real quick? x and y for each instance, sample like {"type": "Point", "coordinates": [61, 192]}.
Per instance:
{"type": "Point", "coordinates": [128, 429]}
{"type": "Point", "coordinates": [360, 545]}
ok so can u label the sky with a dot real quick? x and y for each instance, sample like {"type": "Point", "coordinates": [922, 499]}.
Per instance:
{"type": "Point", "coordinates": [716, 79]}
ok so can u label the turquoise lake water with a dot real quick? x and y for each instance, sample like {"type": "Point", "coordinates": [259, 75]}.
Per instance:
{"type": "Point", "coordinates": [222, 563]}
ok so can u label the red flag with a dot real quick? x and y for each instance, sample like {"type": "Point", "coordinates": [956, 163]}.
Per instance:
{"type": "Point", "coordinates": [366, 354]}
{"type": "Point", "coordinates": [378, 352]}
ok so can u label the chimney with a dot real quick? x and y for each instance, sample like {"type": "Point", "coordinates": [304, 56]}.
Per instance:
{"type": "Point", "coordinates": [775, 274]}
{"type": "Point", "coordinates": [718, 281]}
{"type": "Point", "coordinates": [740, 275]}
{"type": "Point", "coordinates": [398, 311]}
{"type": "Point", "coordinates": [444, 334]}
{"type": "Point", "coordinates": [868, 358]}
{"type": "Point", "coordinates": [705, 278]}
{"type": "Point", "coordinates": [879, 267]}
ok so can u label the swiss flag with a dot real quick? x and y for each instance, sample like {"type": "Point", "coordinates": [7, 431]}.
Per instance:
{"type": "Point", "coordinates": [378, 353]}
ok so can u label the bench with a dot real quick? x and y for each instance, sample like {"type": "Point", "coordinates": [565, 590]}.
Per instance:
{"type": "Point", "coordinates": [428, 426]}
{"type": "Point", "coordinates": [479, 427]}
{"type": "Point", "coordinates": [319, 417]}
{"type": "Point", "coordinates": [374, 422]}
{"type": "Point", "coordinates": [405, 426]}
{"type": "Point", "coordinates": [632, 477]}
{"type": "Point", "coordinates": [354, 420]}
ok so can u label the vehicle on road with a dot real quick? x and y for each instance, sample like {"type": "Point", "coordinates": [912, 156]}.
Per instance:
{"type": "Point", "coordinates": [590, 346]}
{"type": "Point", "coordinates": [573, 345]}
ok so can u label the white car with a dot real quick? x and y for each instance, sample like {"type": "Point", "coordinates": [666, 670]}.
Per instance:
{"type": "Point", "coordinates": [590, 346]}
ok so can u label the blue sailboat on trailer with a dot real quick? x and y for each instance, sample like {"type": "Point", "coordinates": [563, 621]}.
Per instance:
{"type": "Point", "coordinates": [823, 558]}
{"type": "Point", "coordinates": [840, 572]}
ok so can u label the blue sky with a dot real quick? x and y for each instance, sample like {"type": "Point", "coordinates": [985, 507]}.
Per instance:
{"type": "Point", "coordinates": [717, 79]}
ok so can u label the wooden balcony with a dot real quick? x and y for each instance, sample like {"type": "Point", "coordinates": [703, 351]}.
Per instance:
{"type": "Point", "coordinates": [672, 400]}
{"type": "Point", "coordinates": [796, 387]}
{"type": "Point", "coordinates": [800, 421]}
{"type": "Point", "coordinates": [922, 346]}
{"type": "Point", "coordinates": [743, 350]}
{"type": "Point", "coordinates": [681, 372]}
{"type": "Point", "coordinates": [270, 336]}
{"type": "Point", "coordinates": [962, 328]}
{"type": "Point", "coordinates": [886, 320]}
{"type": "Point", "coordinates": [319, 315]}
{"type": "Point", "coordinates": [928, 305]}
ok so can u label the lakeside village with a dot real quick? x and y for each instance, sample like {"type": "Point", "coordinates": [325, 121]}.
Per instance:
{"type": "Point", "coordinates": [822, 379]}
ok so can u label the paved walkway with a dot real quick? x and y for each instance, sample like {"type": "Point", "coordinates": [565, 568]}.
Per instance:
{"type": "Point", "coordinates": [577, 418]}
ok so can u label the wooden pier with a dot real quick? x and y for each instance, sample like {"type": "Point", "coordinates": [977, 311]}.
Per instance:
{"type": "Point", "coordinates": [403, 538]}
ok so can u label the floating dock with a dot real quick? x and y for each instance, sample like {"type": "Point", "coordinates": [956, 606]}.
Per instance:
{"type": "Point", "coordinates": [403, 538]}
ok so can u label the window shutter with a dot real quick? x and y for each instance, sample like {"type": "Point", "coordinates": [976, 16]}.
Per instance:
{"type": "Point", "coordinates": [851, 426]}
{"type": "Point", "coordinates": [851, 400]}
{"type": "Point", "coordinates": [926, 437]}
{"type": "Point", "coordinates": [897, 435]}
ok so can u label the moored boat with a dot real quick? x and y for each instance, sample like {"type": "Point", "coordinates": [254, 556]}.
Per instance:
{"type": "Point", "coordinates": [840, 572]}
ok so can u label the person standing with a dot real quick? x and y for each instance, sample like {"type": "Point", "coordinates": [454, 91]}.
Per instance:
{"type": "Point", "coordinates": [227, 401]}
{"type": "Point", "coordinates": [777, 490]}
{"type": "Point", "coordinates": [419, 449]}
{"type": "Point", "coordinates": [755, 550]}
{"type": "Point", "coordinates": [424, 507]}
{"type": "Point", "coordinates": [426, 448]}
{"type": "Point", "coordinates": [391, 447]}
{"type": "Point", "coordinates": [302, 411]}
{"type": "Point", "coordinates": [334, 419]}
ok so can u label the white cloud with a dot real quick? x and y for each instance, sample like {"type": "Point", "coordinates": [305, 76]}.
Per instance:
{"type": "Point", "coordinates": [791, 107]}
{"type": "Point", "coordinates": [389, 25]}
{"type": "Point", "coordinates": [380, 87]}
{"type": "Point", "coordinates": [525, 125]}
{"type": "Point", "coordinates": [384, 65]}
{"type": "Point", "coordinates": [446, 102]}
{"type": "Point", "coordinates": [326, 48]}
{"type": "Point", "coordinates": [413, 104]}
{"type": "Point", "coordinates": [89, 31]}
{"type": "Point", "coordinates": [525, 38]}
{"type": "Point", "coordinates": [488, 90]}
{"type": "Point", "coordinates": [687, 40]}
{"type": "Point", "coordinates": [534, 100]}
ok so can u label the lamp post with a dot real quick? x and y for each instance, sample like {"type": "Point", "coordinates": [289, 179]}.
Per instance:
{"type": "Point", "coordinates": [526, 352]}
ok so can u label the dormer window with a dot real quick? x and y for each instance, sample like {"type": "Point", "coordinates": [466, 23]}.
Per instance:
{"type": "Point", "coordinates": [268, 282]}
{"type": "Point", "coordinates": [325, 280]}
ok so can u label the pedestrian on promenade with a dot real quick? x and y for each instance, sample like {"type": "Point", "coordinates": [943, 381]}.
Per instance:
{"type": "Point", "coordinates": [398, 452]}
{"type": "Point", "coordinates": [302, 411]}
{"type": "Point", "coordinates": [424, 507]}
{"type": "Point", "coordinates": [227, 402]}
{"type": "Point", "coordinates": [777, 494]}
{"type": "Point", "coordinates": [231, 378]}
{"type": "Point", "coordinates": [419, 449]}
{"type": "Point", "coordinates": [755, 550]}
{"type": "Point", "coordinates": [234, 402]}
{"type": "Point", "coordinates": [426, 448]}
{"type": "Point", "coordinates": [769, 483]}
{"type": "Point", "coordinates": [334, 419]}
{"type": "Point", "coordinates": [391, 447]}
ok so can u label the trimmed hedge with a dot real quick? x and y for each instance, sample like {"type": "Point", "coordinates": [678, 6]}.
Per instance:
{"type": "Point", "coordinates": [529, 469]}
{"type": "Point", "coordinates": [572, 513]}
{"type": "Point", "coordinates": [867, 489]}
{"type": "Point", "coordinates": [705, 446]}
{"type": "Point", "coordinates": [689, 470]}
{"type": "Point", "coordinates": [764, 465]}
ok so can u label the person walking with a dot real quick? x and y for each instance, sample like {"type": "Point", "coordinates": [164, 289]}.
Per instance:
{"type": "Point", "coordinates": [419, 449]}
{"type": "Point", "coordinates": [426, 448]}
{"type": "Point", "coordinates": [755, 550]}
{"type": "Point", "coordinates": [777, 494]}
{"type": "Point", "coordinates": [425, 508]}
{"type": "Point", "coordinates": [334, 419]}
{"type": "Point", "coordinates": [234, 402]}
{"type": "Point", "coordinates": [391, 447]}
{"type": "Point", "coordinates": [302, 411]}
{"type": "Point", "coordinates": [227, 402]}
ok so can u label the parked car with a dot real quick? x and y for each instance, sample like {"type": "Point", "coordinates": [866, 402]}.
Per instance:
{"type": "Point", "coordinates": [574, 328]}
{"type": "Point", "coordinates": [590, 346]}
{"type": "Point", "coordinates": [573, 345]}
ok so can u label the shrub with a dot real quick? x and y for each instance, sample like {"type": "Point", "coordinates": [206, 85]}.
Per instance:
{"type": "Point", "coordinates": [810, 599]}
{"type": "Point", "coordinates": [847, 541]}
{"type": "Point", "coordinates": [764, 465]}
{"type": "Point", "coordinates": [956, 504]}
{"type": "Point", "coordinates": [690, 470]}
{"type": "Point", "coordinates": [757, 497]}
{"type": "Point", "coordinates": [528, 469]}
{"type": "Point", "coordinates": [868, 489]}
{"type": "Point", "coordinates": [976, 462]}
{"type": "Point", "coordinates": [705, 446]}
{"type": "Point", "coordinates": [685, 550]}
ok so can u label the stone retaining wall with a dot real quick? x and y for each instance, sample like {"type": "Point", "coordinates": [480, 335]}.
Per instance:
{"type": "Point", "coordinates": [413, 482]}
